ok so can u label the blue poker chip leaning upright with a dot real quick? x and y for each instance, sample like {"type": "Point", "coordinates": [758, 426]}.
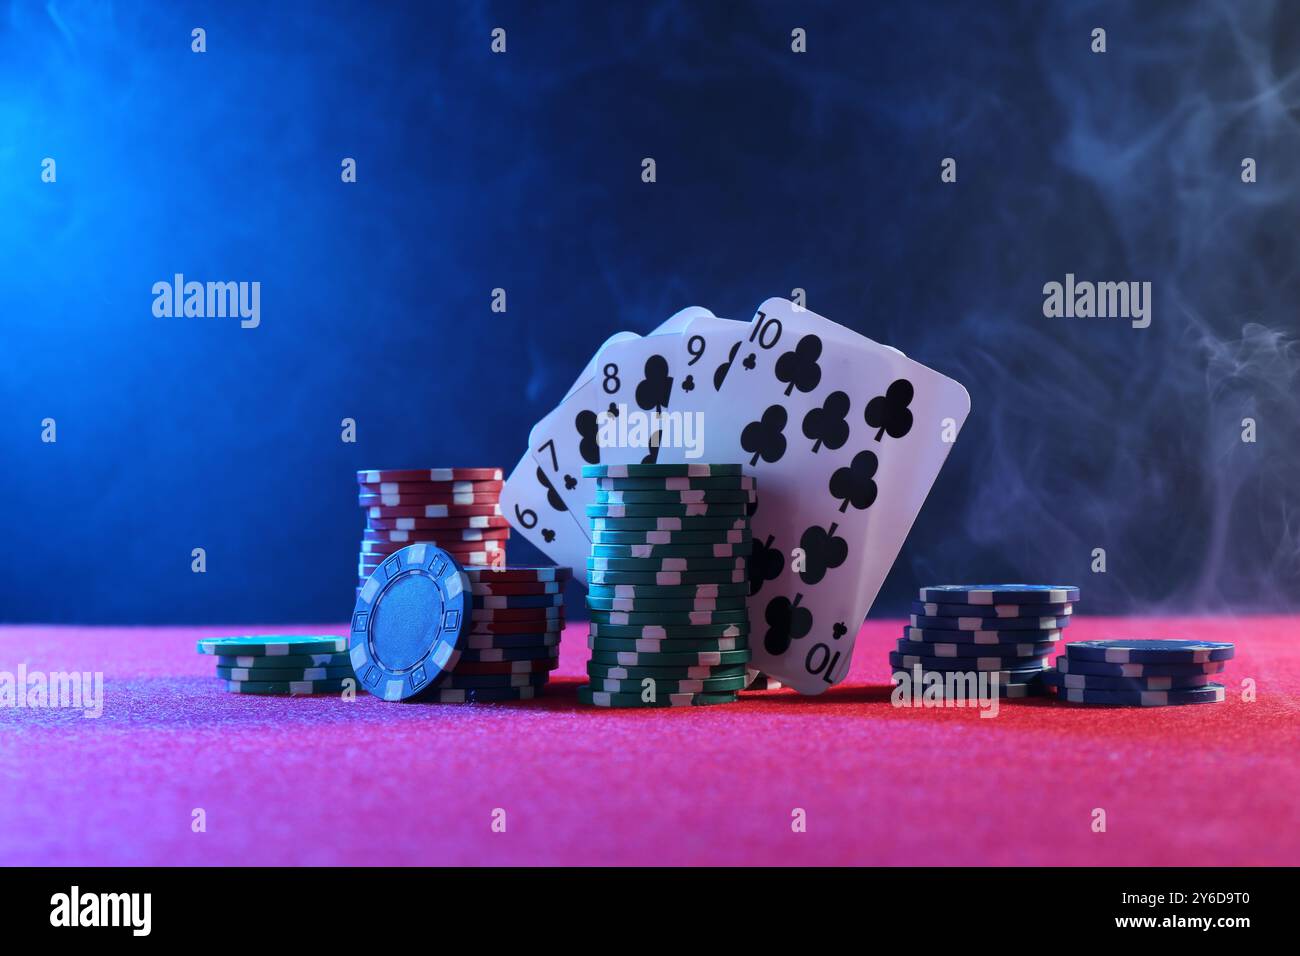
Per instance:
{"type": "Point", "coordinates": [408, 622]}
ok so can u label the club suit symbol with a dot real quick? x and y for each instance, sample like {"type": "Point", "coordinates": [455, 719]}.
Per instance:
{"type": "Point", "coordinates": [823, 549]}
{"type": "Point", "coordinates": [720, 373]}
{"type": "Point", "coordinates": [827, 425]}
{"type": "Point", "coordinates": [852, 484]}
{"type": "Point", "coordinates": [798, 368]}
{"type": "Point", "coordinates": [765, 564]}
{"type": "Point", "coordinates": [656, 388]}
{"type": "Point", "coordinates": [764, 438]}
{"type": "Point", "coordinates": [588, 425]}
{"type": "Point", "coordinates": [786, 622]}
{"type": "Point", "coordinates": [552, 496]}
{"type": "Point", "coordinates": [889, 412]}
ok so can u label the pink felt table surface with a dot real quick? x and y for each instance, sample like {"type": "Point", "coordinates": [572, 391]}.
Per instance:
{"type": "Point", "coordinates": [325, 781]}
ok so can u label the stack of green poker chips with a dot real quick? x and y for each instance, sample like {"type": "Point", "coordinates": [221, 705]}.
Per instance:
{"type": "Point", "coordinates": [668, 585]}
{"type": "Point", "coordinates": [282, 664]}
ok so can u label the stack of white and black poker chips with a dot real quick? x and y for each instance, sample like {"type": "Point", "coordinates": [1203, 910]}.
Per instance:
{"type": "Point", "coordinates": [1140, 672]}
{"type": "Point", "coordinates": [457, 509]}
{"type": "Point", "coordinates": [977, 634]}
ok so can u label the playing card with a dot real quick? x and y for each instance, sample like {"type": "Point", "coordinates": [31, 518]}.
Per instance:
{"type": "Point", "coordinates": [537, 512]}
{"type": "Point", "coordinates": [706, 350]}
{"type": "Point", "coordinates": [612, 417]}
{"type": "Point", "coordinates": [845, 437]}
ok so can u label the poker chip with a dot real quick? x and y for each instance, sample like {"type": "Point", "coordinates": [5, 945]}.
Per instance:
{"type": "Point", "coordinates": [660, 687]}
{"type": "Point", "coordinates": [924, 609]}
{"type": "Point", "coordinates": [272, 645]}
{"type": "Point", "coordinates": [702, 524]}
{"type": "Point", "coordinates": [604, 497]}
{"type": "Point", "coordinates": [666, 659]}
{"type": "Point", "coordinates": [661, 471]}
{"type": "Point", "coordinates": [1209, 694]}
{"type": "Point", "coordinates": [373, 475]}
{"type": "Point", "coordinates": [536, 639]}
{"type": "Point", "coordinates": [656, 592]}
{"type": "Point", "coordinates": [483, 695]}
{"type": "Point", "coordinates": [471, 522]}
{"type": "Point", "coordinates": [525, 626]}
{"type": "Point", "coordinates": [406, 627]}
{"type": "Point", "coordinates": [369, 500]}
{"type": "Point", "coordinates": [984, 623]}
{"type": "Point", "coordinates": [1140, 672]}
{"type": "Point", "coordinates": [653, 565]}
{"type": "Point", "coordinates": [475, 558]}
{"type": "Point", "coordinates": [734, 602]}
{"type": "Point", "coordinates": [729, 536]}
{"type": "Point", "coordinates": [1096, 682]}
{"type": "Point", "coordinates": [956, 680]}
{"type": "Point", "coordinates": [962, 664]}
{"type": "Point", "coordinates": [486, 654]}
{"type": "Point", "coordinates": [679, 483]}
{"type": "Point", "coordinates": [965, 690]}
{"type": "Point", "coordinates": [434, 535]}
{"type": "Point", "coordinates": [542, 615]}
{"type": "Point", "coordinates": [295, 688]}
{"type": "Point", "coordinates": [667, 578]}
{"type": "Point", "coordinates": [1006, 651]}
{"type": "Point", "coordinates": [1000, 594]}
{"type": "Point", "coordinates": [989, 638]}
{"type": "Point", "coordinates": [518, 601]}
{"type": "Point", "coordinates": [658, 632]}
{"type": "Point", "coordinates": [653, 551]}
{"type": "Point", "coordinates": [480, 681]}
{"type": "Point", "coordinates": [285, 661]}
{"type": "Point", "coordinates": [1067, 665]}
{"type": "Point", "coordinates": [669, 618]}
{"type": "Point", "coordinates": [518, 575]}
{"type": "Point", "coordinates": [433, 511]}
{"type": "Point", "coordinates": [285, 674]}
{"type": "Point", "coordinates": [603, 699]}
{"type": "Point", "coordinates": [1143, 651]}
{"type": "Point", "coordinates": [679, 673]}
{"type": "Point", "coordinates": [506, 667]}
{"type": "Point", "coordinates": [431, 488]}
{"type": "Point", "coordinates": [717, 509]}
{"type": "Point", "coordinates": [486, 588]}
{"type": "Point", "coordinates": [451, 547]}
{"type": "Point", "coordinates": [756, 680]}
{"type": "Point", "coordinates": [668, 583]}
{"type": "Point", "coordinates": [668, 646]}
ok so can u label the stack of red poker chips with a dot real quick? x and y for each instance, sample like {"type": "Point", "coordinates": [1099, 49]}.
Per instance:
{"type": "Point", "coordinates": [457, 509]}
{"type": "Point", "coordinates": [512, 641]}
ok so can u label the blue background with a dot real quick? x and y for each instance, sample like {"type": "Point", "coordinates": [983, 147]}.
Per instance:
{"type": "Point", "coordinates": [775, 171]}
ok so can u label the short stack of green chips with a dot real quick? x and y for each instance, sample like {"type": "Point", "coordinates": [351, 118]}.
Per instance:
{"type": "Point", "coordinates": [667, 585]}
{"type": "Point", "coordinates": [282, 664]}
